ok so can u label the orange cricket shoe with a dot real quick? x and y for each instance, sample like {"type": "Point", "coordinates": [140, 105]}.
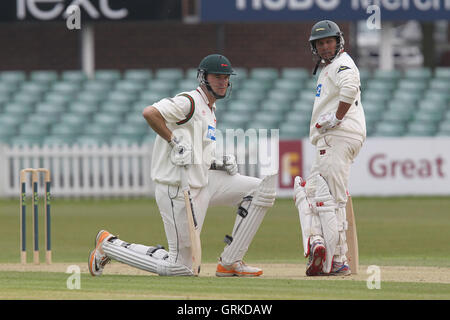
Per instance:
{"type": "Point", "coordinates": [237, 269]}
{"type": "Point", "coordinates": [97, 258]}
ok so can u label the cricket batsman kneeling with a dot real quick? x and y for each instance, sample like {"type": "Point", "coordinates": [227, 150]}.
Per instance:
{"type": "Point", "coordinates": [338, 130]}
{"type": "Point", "coordinates": [186, 141]}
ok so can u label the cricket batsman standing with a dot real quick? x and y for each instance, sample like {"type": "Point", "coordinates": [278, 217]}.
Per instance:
{"type": "Point", "coordinates": [186, 126]}
{"type": "Point", "coordinates": [338, 131]}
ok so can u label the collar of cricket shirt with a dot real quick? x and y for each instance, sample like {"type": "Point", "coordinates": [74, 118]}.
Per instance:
{"type": "Point", "coordinates": [205, 98]}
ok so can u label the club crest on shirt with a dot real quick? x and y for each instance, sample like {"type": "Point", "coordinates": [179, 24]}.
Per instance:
{"type": "Point", "coordinates": [318, 90]}
{"type": "Point", "coordinates": [342, 68]}
{"type": "Point", "coordinates": [211, 134]}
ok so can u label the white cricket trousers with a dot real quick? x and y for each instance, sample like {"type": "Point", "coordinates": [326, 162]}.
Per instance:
{"type": "Point", "coordinates": [222, 190]}
{"type": "Point", "coordinates": [334, 156]}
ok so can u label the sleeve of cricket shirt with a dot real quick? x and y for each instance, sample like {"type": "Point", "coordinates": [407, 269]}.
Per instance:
{"type": "Point", "coordinates": [347, 80]}
{"type": "Point", "coordinates": [174, 109]}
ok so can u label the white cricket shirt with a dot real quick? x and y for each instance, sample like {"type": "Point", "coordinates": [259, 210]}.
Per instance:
{"type": "Point", "coordinates": [190, 118]}
{"type": "Point", "coordinates": [339, 81]}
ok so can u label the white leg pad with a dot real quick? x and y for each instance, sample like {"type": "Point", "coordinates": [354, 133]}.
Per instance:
{"type": "Point", "coordinates": [157, 252]}
{"type": "Point", "coordinates": [325, 205]}
{"type": "Point", "coordinates": [154, 264]}
{"type": "Point", "coordinates": [246, 227]}
{"type": "Point", "coordinates": [341, 248]}
{"type": "Point", "coordinates": [309, 218]}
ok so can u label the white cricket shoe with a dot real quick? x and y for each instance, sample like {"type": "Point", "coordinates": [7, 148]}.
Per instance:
{"type": "Point", "coordinates": [340, 269]}
{"type": "Point", "coordinates": [97, 258]}
{"type": "Point", "coordinates": [238, 269]}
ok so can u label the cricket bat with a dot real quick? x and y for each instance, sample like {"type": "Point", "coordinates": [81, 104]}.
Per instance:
{"type": "Point", "coordinates": [352, 238]}
{"type": "Point", "coordinates": [194, 232]}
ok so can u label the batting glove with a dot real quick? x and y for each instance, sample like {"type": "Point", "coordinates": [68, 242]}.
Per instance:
{"type": "Point", "coordinates": [230, 165]}
{"type": "Point", "coordinates": [327, 121]}
{"type": "Point", "coordinates": [181, 153]}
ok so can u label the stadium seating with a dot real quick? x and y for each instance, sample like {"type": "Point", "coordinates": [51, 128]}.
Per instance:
{"type": "Point", "coordinates": [294, 74]}
{"type": "Point", "coordinates": [18, 108]}
{"type": "Point", "coordinates": [82, 107]}
{"type": "Point", "coordinates": [13, 76]}
{"type": "Point", "coordinates": [170, 74]}
{"type": "Point", "coordinates": [237, 120]}
{"type": "Point", "coordinates": [163, 86]}
{"type": "Point", "coordinates": [302, 106]}
{"type": "Point", "coordinates": [444, 128]}
{"type": "Point", "coordinates": [44, 76]}
{"type": "Point", "coordinates": [66, 129]}
{"type": "Point", "coordinates": [107, 75]}
{"type": "Point", "coordinates": [293, 130]}
{"type": "Point", "coordinates": [58, 140]}
{"type": "Point", "coordinates": [20, 140]}
{"type": "Point", "coordinates": [75, 119]}
{"type": "Point", "coordinates": [387, 74]}
{"type": "Point", "coordinates": [389, 129]}
{"type": "Point", "coordinates": [140, 75]}
{"type": "Point", "coordinates": [74, 76]}
{"type": "Point", "coordinates": [121, 140]}
{"type": "Point", "coordinates": [442, 73]}
{"type": "Point", "coordinates": [191, 74]}
{"type": "Point", "coordinates": [418, 73]}
{"type": "Point", "coordinates": [45, 106]}
{"type": "Point", "coordinates": [421, 128]}
{"type": "Point", "coordinates": [275, 107]}
{"type": "Point", "coordinates": [7, 131]}
{"type": "Point", "coordinates": [264, 74]}
{"type": "Point", "coordinates": [248, 95]}
{"type": "Point", "coordinates": [187, 84]}
{"type": "Point", "coordinates": [242, 106]}
{"type": "Point", "coordinates": [298, 118]}
{"type": "Point", "coordinates": [256, 85]}
{"type": "Point", "coordinates": [89, 140]}
{"type": "Point", "coordinates": [130, 86]}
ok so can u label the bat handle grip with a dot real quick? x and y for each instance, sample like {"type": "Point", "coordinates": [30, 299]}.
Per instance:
{"type": "Point", "coordinates": [184, 178]}
{"type": "Point", "coordinates": [219, 164]}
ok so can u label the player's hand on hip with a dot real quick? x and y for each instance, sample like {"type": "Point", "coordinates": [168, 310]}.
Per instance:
{"type": "Point", "coordinates": [181, 153]}
{"type": "Point", "coordinates": [327, 121]}
{"type": "Point", "coordinates": [230, 165]}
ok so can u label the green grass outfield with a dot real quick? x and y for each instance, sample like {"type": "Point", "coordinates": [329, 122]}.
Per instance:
{"type": "Point", "coordinates": [411, 235]}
